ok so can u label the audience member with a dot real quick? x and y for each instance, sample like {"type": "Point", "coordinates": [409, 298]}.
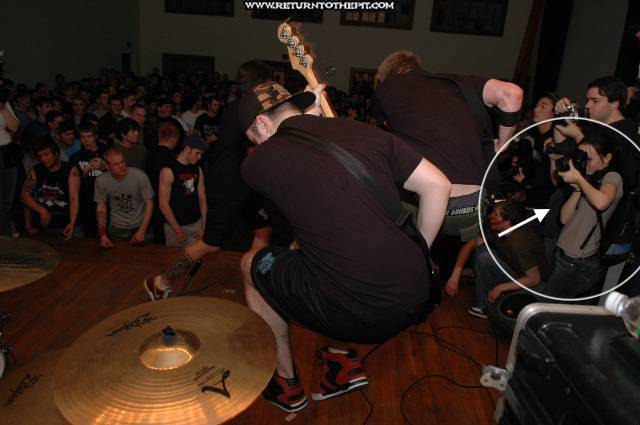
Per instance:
{"type": "Point", "coordinates": [46, 188]}
{"type": "Point", "coordinates": [181, 195]}
{"type": "Point", "coordinates": [130, 198]}
{"type": "Point", "coordinates": [86, 166]}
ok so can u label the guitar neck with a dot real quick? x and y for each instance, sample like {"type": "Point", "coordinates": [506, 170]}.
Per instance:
{"type": "Point", "coordinates": [325, 105]}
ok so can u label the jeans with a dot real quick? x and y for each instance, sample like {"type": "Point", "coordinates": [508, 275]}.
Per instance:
{"type": "Point", "coordinates": [8, 180]}
{"type": "Point", "coordinates": [572, 277]}
{"type": "Point", "coordinates": [488, 274]}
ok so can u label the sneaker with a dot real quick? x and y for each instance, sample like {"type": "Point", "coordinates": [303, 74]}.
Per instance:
{"type": "Point", "coordinates": [480, 312]}
{"type": "Point", "coordinates": [341, 373]}
{"type": "Point", "coordinates": [156, 291]}
{"type": "Point", "coordinates": [287, 394]}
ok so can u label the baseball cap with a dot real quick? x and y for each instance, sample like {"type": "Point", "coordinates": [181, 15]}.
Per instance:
{"type": "Point", "coordinates": [195, 141]}
{"type": "Point", "coordinates": [266, 96]}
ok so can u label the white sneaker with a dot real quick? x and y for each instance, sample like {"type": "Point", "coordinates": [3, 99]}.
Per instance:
{"type": "Point", "coordinates": [155, 290]}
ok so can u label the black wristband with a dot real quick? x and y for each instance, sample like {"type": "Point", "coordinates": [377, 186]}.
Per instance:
{"type": "Point", "coordinates": [508, 119]}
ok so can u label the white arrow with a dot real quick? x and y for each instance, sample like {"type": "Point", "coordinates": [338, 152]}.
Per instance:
{"type": "Point", "coordinates": [539, 214]}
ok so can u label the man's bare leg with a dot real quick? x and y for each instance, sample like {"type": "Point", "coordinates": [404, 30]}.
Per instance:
{"type": "Point", "coordinates": [277, 324]}
{"type": "Point", "coordinates": [192, 253]}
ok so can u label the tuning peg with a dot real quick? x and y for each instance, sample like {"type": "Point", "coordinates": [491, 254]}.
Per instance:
{"type": "Point", "coordinates": [284, 33]}
{"type": "Point", "coordinates": [291, 43]}
{"type": "Point", "coordinates": [303, 61]}
{"type": "Point", "coordinates": [298, 52]}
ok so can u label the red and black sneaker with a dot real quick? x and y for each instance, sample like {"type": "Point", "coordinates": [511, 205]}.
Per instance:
{"type": "Point", "coordinates": [341, 373]}
{"type": "Point", "coordinates": [287, 394]}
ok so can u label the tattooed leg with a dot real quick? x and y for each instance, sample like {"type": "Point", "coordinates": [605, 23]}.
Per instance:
{"type": "Point", "coordinates": [181, 266]}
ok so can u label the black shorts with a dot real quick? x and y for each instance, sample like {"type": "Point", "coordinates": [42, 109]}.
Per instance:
{"type": "Point", "coordinates": [224, 213]}
{"type": "Point", "coordinates": [282, 278]}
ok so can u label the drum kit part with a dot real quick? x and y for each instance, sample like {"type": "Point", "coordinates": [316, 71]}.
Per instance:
{"type": "Point", "coordinates": [4, 350]}
{"type": "Point", "coordinates": [187, 360]}
{"type": "Point", "coordinates": [26, 394]}
{"type": "Point", "coordinates": [23, 261]}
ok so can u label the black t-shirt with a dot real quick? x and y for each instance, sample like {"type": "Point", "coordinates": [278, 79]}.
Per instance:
{"type": "Point", "coordinates": [158, 158]}
{"type": "Point", "coordinates": [205, 124]}
{"type": "Point", "coordinates": [224, 157]}
{"type": "Point", "coordinates": [184, 200]}
{"type": "Point", "coordinates": [80, 160]}
{"type": "Point", "coordinates": [362, 261]}
{"type": "Point", "coordinates": [52, 192]}
{"type": "Point", "coordinates": [432, 115]}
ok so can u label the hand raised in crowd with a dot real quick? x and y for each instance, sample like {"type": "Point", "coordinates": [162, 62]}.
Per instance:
{"type": "Point", "coordinates": [105, 242]}
{"type": "Point", "coordinates": [451, 287]}
{"type": "Point", "coordinates": [562, 106]}
{"type": "Point", "coordinates": [210, 138]}
{"type": "Point", "coordinates": [315, 109]}
{"type": "Point", "coordinates": [519, 177]}
{"type": "Point", "coordinates": [571, 176]}
{"type": "Point", "coordinates": [568, 129]}
{"type": "Point", "coordinates": [552, 156]}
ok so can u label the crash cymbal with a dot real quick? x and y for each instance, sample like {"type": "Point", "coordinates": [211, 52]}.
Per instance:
{"type": "Point", "coordinates": [23, 261]}
{"type": "Point", "coordinates": [187, 360]}
{"type": "Point", "coordinates": [26, 393]}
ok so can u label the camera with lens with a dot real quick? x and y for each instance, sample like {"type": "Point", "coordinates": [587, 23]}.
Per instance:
{"type": "Point", "coordinates": [579, 159]}
{"type": "Point", "coordinates": [568, 147]}
{"type": "Point", "coordinates": [573, 113]}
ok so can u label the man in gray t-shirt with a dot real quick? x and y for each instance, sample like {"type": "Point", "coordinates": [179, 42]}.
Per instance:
{"type": "Point", "coordinates": [130, 198]}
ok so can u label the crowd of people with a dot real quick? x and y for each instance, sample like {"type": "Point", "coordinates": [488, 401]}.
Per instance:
{"type": "Point", "coordinates": [586, 174]}
{"type": "Point", "coordinates": [186, 160]}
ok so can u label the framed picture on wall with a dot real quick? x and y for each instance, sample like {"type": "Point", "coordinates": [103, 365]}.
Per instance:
{"type": "Point", "coordinates": [314, 16]}
{"type": "Point", "coordinates": [481, 17]}
{"type": "Point", "coordinates": [200, 7]}
{"type": "Point", "coordinates": [399, 18]}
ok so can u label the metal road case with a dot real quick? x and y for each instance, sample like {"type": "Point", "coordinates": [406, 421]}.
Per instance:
{"type": "Point", "coordinates": [568, 365]}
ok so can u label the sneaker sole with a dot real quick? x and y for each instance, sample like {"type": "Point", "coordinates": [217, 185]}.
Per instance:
{"type": "Point", "coordinates": [145, 283]}
{"type": "Point", "coordinates": [478, 315]}
{"type": "Point", "coordinates": [293, 409]}
{"type": "Point", "coordinates": [363, 382]}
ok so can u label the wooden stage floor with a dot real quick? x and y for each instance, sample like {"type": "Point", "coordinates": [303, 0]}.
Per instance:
{"type": "Point", "coordinates": [91, 284]}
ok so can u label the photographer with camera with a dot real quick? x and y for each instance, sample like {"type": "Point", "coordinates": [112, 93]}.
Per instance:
{"type": "Point", "coordinates": [8, 161]}
{"type": "Point", "coordinates": [597, 189]}
{"type": "Point", "coordinates": [606, 97]}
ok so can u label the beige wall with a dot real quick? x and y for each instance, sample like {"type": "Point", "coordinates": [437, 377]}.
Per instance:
{"type": "Point", "coordinates": [593, 42]}
{"type": "Point", "coordinates": [74, 37]}
{"type": "Point", "coordinates": [240, 38]}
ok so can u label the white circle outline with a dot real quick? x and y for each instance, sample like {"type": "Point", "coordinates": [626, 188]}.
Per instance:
{"type": "Point", "coordinates": [489, 250]}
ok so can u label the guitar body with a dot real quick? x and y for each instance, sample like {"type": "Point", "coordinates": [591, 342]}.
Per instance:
{"type": "Point", "coordinates": [302, 62]}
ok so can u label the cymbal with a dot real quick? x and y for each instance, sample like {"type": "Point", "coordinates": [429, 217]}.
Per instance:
{"type": "Point", "coordinates": [23, 261]}
{"type": "Point", "coordinates": [26, 393]}
{"type": "Point", "coordinates": [186, 360]}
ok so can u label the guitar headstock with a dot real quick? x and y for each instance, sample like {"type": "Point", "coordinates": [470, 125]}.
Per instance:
{"type": "Point", "coordinates": [299, 55]}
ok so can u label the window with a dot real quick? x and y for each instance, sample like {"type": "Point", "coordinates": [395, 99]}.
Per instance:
{"type": "Point", "coordinates": [482, 17]}
{"type": "Point", "coordinates": [400, 18]}
{"type": "Point", "coordinates": [200, 7]}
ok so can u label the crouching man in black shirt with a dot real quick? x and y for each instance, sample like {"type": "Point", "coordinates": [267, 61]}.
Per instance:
{"type": "Point", "coordinates": [356, 276]}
